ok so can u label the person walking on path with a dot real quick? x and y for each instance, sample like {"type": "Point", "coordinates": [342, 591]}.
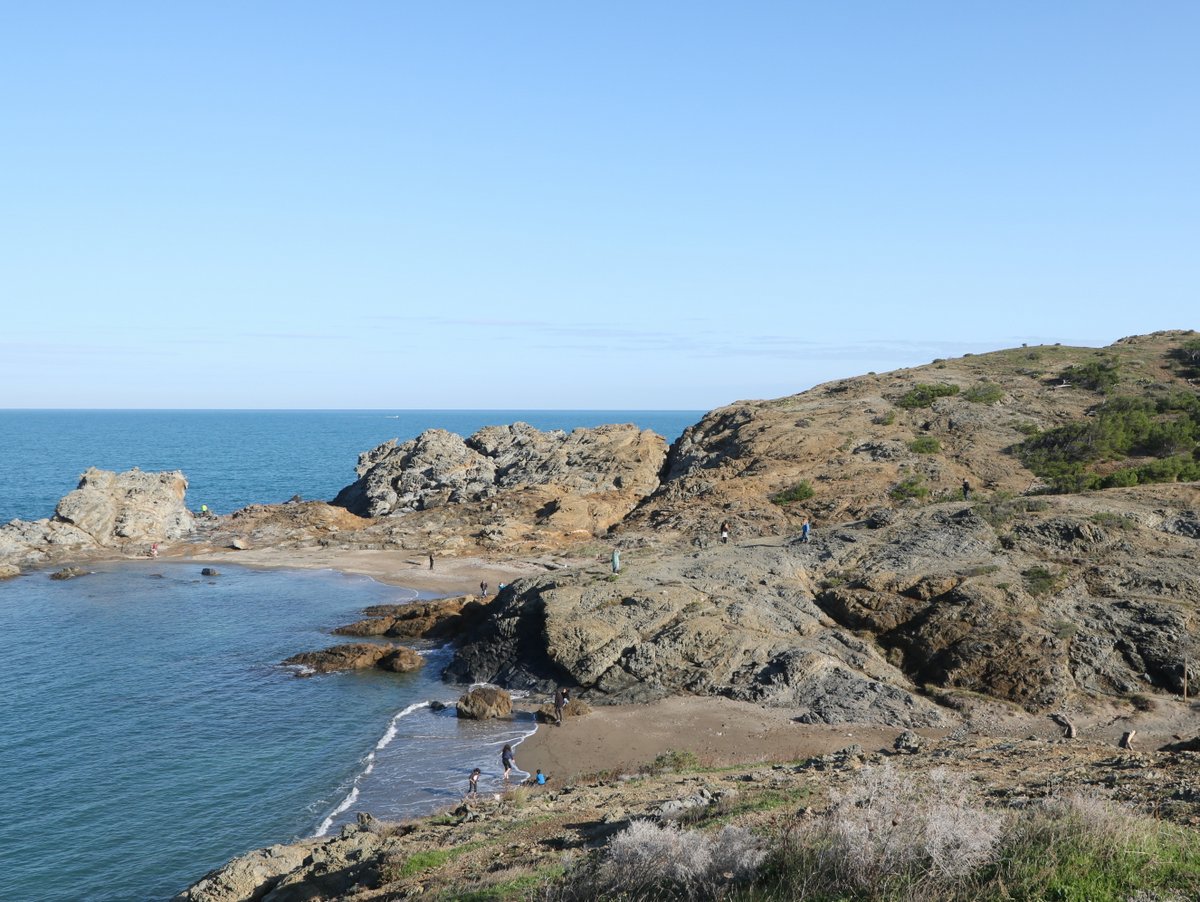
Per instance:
{"type": "Point", "coordinates": [966, 490]}
{"type": "Point", "coordinates": [804, 530]}
{"type": "Point", "coordinates": [473, 784]}
{"type": "Point", "coordinates": [724, 531]}
{"type": "Point", "coordinates": [431, 562]}
{"type": "Point", "coordinates": [483, 590]}
{"type": "Point", "coordinates": [616, 561]}
{"type": "Point", "coordinates": [507, 760]}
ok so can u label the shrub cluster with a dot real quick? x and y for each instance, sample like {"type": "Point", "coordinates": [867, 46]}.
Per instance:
{"type": "Point", "coordinates": [892, 836]}
{"type": "Point", "coordinates": [1187, 355]}
{"type": "Point", "coordinates": [801, 491]}
{"type": "Point", "coordinates": [984, 392]}
{"type": "Point", "coordinates": [925, 444]}
{"type": "Point", "coordinates": [1100, 375]}
{"type": "Point", "coordinates": [910, 487]}
{"type": "Point", "coordinates": [1167, 428]}
{"type": "Point", "coordinates": [923, 394]}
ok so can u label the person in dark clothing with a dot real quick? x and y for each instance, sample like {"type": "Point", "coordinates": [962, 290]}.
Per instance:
{"type": "Point", "coordinates": [473, 784]}
{"type": "Point", "coordinates": [724, 531]}
{"type": "Point", "coordinates": [507, 760]}
{"type": "Point", "coordinates": [966, 490]}
{"type": "Point", "coordinates": [431, 562]}
{"type": "Point", "coordinates": [560, 702]}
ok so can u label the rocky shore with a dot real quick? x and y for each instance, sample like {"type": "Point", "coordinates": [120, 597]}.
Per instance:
{"type": "Point", "coordinates": [941, 592]}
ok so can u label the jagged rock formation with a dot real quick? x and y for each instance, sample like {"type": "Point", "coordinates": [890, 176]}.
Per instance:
{"type": "Point", "coordinates": [438, 467]}
{"type": "Point", "coordinates": [506, 489]}
{"type": "Point", "coordinates": [107, 511]}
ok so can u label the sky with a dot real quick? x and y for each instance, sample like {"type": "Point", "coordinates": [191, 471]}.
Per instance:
{"type": "Point", "coordinates": [613, 205]}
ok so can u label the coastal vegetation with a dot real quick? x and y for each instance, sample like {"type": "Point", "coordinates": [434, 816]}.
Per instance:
{"type": "Point", "coordinates": [801, 491]}
{"type": "Point", "coordinates": [923, 394]}
{"type": "Point", "coordinates": [925, 444]}
{"type": "Point", "coordinates": [1164, 426]}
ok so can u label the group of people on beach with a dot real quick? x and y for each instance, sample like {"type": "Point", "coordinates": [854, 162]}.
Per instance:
{"type": "Point", "coordinates": [508, 760]}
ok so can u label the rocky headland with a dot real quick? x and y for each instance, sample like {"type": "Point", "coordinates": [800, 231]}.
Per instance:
{"type": "Point", "coordinates": [995, 539]}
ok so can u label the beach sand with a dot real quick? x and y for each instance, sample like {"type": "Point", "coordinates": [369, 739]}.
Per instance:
{"type": "Point", "coordinates": [449, 576]}
{"type": "Point", "coordinates": [718, 731]}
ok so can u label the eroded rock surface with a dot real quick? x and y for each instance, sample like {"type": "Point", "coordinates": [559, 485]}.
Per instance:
{"type": "Point", "coordinates": [358, 656]}
{"type": "Point", "coordinates": [107, 511]}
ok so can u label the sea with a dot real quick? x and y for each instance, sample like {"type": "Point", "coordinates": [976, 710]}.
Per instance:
{"type": "Point", "coordinates": [148, 732]}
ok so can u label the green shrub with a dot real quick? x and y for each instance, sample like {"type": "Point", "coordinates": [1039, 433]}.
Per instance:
{"type": "Point", "coordinates": [923, 394]}
{"type": "Point", "coordinates": [1100, 375]}
{"type": "Point", "coordinates": [801, 491]}
{"type": "Point", "coordinates": [1039, 581]}
{"type": "Point", "coordinates": [884, 419]}
{"type": "Point", "coordinates": [910, 487]}
{"type": "Point", "coordinates": [674, 760]}
{"type": "Point", "coordinates": [925, 444]}
{"type": "Point", "coordinates": [984, 393]}
{"type": "Point", "coordinates": [1027, 428]}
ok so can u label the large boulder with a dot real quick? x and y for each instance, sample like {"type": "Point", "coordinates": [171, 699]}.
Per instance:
{"type": "Point", "coordinates": [484, 702]}
{"type": "Point", "coordinates": [131, 507]}
{"type": "Point", "coordinates": [442, 619]}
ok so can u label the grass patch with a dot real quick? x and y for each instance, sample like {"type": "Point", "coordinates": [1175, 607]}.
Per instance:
{"type": "Point", "coordinates": [801, 491]}
{"type": "Point", "coordinates": [923, 394]}
{"type": "Point", "coordinates": [925, 444]}
{"type": "Point", "coordinates": [884, 419]}
{"type": "Point", "coordinates": [1112, 521]}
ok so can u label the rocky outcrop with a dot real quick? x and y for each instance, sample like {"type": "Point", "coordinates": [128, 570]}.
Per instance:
{"type": "Point", "coordinates": [734, 622]}
{"type": "Point", "coordinates": [108, 510]}
{"type": "Point", "coordinates": [484, 703]}
{"type": "Point", "coordinates": [442, 620]}
{"type": "Point", "coordinates": [357, 656]}
{"type": "Point", "coordinates": [438, 467]}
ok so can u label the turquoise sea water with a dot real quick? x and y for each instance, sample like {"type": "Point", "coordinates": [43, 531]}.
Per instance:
{"type": "Point", "coordinates": [147, 731]}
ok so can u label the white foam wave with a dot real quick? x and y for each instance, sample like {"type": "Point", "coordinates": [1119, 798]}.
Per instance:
{"type": "Point", "coordinates": [391, 730]}
{"type": "Point", "coordinates": [383, 743]}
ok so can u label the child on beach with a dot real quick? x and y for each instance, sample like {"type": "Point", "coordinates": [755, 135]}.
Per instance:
{"type": "Point", "coordinates": [473, 785]}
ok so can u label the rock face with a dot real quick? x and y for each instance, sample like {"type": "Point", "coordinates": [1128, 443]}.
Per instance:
{"type": "Point", "coordinates": [734, 622]}
{"type": "Point", "coordinates": [107, 511]}
{"type": "Point", "coordinates": [484, 703]}
{"type": "Point", "coordinates": [358, 656]}
{"type": "Point", "coordinates": [438, 467]}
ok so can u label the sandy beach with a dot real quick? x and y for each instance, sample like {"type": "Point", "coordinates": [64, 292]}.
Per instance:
{"type": "Point", "coordinates": [718, 731]}
{"type": "Point", "coordinates": [448, 576]}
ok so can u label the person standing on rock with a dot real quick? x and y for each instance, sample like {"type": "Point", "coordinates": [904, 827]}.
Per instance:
{"type": "Point", "coordinates": [804, 530]}
{"type": "Point", "coordinates": [724, 532]}
{"type": "Point", "coordinates": [507, 760]}
{"type": "Point", "coordinates": [616, 561]}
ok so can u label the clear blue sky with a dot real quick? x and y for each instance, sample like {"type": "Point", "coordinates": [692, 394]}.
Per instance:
{"type": "Point", "coordinates": [607, 205]}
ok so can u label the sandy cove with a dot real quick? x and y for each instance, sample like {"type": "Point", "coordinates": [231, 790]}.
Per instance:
{"type": "Point", "coordinates": [719, 731]}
